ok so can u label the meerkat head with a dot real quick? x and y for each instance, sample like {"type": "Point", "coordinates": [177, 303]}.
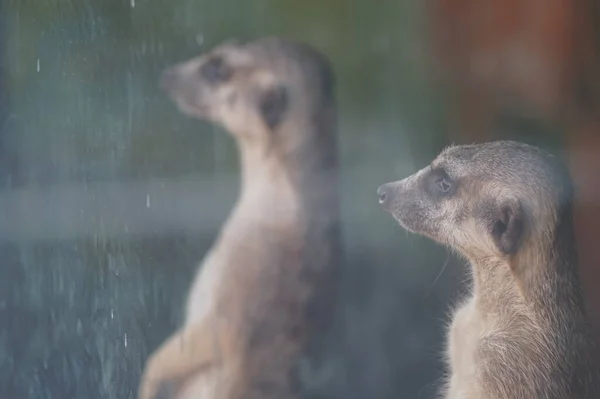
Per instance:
{"type": "Point", "coordinates": [254, 90]}
{"type": "Point", "coordinates": [486, 200]}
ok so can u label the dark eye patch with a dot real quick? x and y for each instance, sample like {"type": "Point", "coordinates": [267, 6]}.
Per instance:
{"type": "Point", "coordinates": [273, 104]}
{"type": "Point", "coordinates": [216, 71]}
{"type": "Point", "coordinates": [439, 184]}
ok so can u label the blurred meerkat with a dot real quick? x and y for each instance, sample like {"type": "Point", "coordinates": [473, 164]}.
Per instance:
{"type": "Point", "coordinates": [505, 207]}
{"type": "Point", "coordinates": [265, 288]}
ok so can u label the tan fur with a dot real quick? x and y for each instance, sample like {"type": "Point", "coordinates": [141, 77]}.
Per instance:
{"type": "Point", "coordinates": [249, 318]}
{"type": "Point", "coordinates": [506, 208]}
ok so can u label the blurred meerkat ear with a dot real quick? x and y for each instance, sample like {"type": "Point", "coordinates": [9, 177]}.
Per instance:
{"type": "Point", "coordinates": [508, 227]}
{"type": "Point", "coordinates": [273, 105]}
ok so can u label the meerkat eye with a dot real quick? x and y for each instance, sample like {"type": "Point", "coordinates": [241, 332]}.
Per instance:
{"type": "Point", "coordinates": [444, 184]}
{"type": "Point", "coordinates": [439, 182]}
{"type": "Point", "coordinates": [215, 71]}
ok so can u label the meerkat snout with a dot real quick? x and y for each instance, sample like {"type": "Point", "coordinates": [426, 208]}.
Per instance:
{"type": "Point", "coordinates": [391, 195]}
{"type": "Point", "coordinates": [387, 194]}
{"type": "Point", "coordinates": [382, 194]}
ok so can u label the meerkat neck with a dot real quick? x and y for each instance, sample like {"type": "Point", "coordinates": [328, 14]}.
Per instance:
{"type": "Point", "coordinates": [558, 280]}
{"type": "Point", "coordinates": [296, 184]}
{"type": "Point", "coordinates": [492, 282]}
{"type": "Point", "coordinates": [267, 196]}
{"type": "Point", "coordinates": [313, 166]}
{"type": "Point", "coordinates": [544, 278]}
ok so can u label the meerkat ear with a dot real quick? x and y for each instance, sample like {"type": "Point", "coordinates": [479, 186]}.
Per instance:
{"type": "Point", "coordinates": [273, 104]}
{"type": "Point", "coordinates": [508, 227]}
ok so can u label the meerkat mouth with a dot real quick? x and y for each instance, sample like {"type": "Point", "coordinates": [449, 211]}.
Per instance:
{"type": "Point", "coordinates": [191, 110]}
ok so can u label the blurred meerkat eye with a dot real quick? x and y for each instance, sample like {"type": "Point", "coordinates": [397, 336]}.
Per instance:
{"type": "Point", "coordinates": [216, 71]}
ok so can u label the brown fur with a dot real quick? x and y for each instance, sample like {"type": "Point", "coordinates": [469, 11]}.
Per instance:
{"type": "Point", "coordinates": [506, 58]}
{"type": "Point", "coordinates": [264, 289]}
{"type": "Point", "coordinates": [506, 207]}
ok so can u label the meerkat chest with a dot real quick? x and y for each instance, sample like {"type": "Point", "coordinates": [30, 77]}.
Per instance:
{"type": "Point", "coordinates": [462, 346]}
{"type": "Point", "coordinates": [202, 296]}
{"type": "Point", "coordinates": [240, 261]}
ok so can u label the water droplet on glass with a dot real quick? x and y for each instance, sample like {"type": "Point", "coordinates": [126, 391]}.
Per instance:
{"type": "Point", "coordinates": [132, 3]}
{"type": "Point", "coordinates": [125, 340]}
{"type": "Point", "coordinates": [38, 64]}
{"type": "Point", "coordinates": [147, 201]}
{"type": "Point", "coordinates": [200, 39]}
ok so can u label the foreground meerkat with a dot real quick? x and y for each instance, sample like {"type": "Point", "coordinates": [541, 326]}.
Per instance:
{"type": "Point", "coordinates": [265, 287]}
{"type": "Point", "coordinates": [506, 207]}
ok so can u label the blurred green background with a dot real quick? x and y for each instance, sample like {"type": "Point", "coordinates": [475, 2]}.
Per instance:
{"type": "Point", "coordinates": [110, 197]}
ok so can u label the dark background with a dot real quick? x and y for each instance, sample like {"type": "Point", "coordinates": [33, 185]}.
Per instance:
{"type": "Point", "coordinates": [109, 197]}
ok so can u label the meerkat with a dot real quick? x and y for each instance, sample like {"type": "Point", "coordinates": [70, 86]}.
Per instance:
{"type": "Point", "coordinates": [265, 288]}
{"type": "Point", "coordinates": [505, 206]}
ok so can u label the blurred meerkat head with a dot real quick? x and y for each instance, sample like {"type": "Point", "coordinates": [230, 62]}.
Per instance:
{"type": "Point", "coordinates": [256, 90]}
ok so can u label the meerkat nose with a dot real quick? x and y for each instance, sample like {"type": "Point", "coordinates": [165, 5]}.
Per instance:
{"type": "Point", "coordinates": [167, 79]}
{"type": "Point", "coordinates": [382, 193]}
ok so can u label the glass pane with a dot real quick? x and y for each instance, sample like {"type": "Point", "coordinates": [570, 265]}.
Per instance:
{"type": "Point", "coordinates": [110, 197]}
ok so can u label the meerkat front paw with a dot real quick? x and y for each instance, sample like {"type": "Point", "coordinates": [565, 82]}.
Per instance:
{"type": "Point", "coordinates": [152, 385]}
